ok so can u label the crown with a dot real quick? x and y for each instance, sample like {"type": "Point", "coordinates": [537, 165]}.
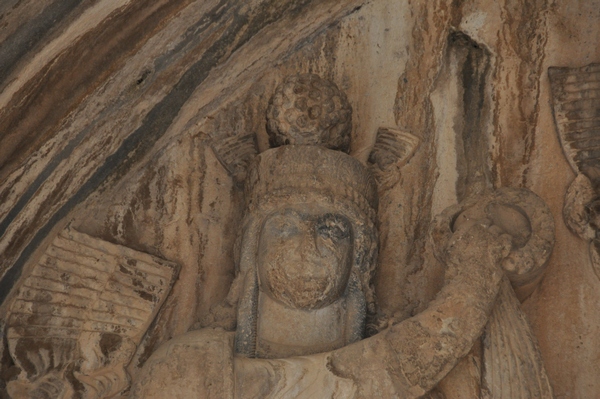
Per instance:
{"type": "Point", "coordinates": [308, 110]}
{"type": "Point", "coordinates": [301, 170]}
{"type": "Point", "coordinates": [309, 123]}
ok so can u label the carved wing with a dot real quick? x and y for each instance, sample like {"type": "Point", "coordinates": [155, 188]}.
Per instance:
{"type": "Point", "coordinates": [393, 148]}
{"type": "Point", "coordinates": [235, 154]}
{"type": "Point", "coordinates": [86, 302]}
{"type": "Point", "coordinates": [513, 367]}
{"type": "Point", "coordinates": [576, 106]}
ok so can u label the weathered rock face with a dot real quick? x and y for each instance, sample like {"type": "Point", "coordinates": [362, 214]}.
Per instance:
{"type": "Point", "coordinates": [128, 129]}
{"type": "Point", "coordinates": [303, 286]}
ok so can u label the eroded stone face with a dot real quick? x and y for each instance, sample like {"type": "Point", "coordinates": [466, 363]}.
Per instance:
{"type": "Point", "coordinates": [307, 253]}
{"type": "Point", "coordinates": [304, 256]}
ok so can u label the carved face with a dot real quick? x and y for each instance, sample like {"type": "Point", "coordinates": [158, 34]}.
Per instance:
{"type": "Point", "coordinates": [305, 256]}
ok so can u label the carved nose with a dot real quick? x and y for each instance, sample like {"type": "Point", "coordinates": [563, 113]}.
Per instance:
{"type": "Point", "coordinates": [307, 247]}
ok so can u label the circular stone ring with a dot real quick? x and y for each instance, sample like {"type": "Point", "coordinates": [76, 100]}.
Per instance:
{"type": "Point", "coordinates": [519, 212]}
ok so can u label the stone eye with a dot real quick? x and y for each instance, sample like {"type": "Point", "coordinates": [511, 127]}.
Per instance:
{"type": "Point", "coordinates": [334, 227]}
{"type": "Point", "coordinates": [286, 229]}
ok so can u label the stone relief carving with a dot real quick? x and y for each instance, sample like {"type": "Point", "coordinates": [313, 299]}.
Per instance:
{"type": "Point", "coordinates": [78, 316]}
{"type": "Point", "coordinates": [393, 148]}
{"type": "Point", "coordinates": [576, 107]}
{"type": "Point", "coordinates": [307, 253]}
{"type": "Point", "coordinates": [235, 154]}
{"type": "Point", "coordinates": [511, 362]}
{"type": "Point", "coordinates": [300, 319]}
{"type": "Point", "coordinates": [128, 144]}
{"type": "Point", "coordinates": [296, 314]}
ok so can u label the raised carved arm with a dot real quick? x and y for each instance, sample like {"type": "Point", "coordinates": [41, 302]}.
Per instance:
{"type": "Point", "coordinates": [417, 353]}
{"type": "Point", "coordinates": [408, 359]}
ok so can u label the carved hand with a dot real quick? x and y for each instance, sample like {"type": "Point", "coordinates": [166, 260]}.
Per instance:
{"type": "Point", "coordinates": [415, 354]}
{"type": "Point", "coordinates": [430, 344]}
{"type": "Point", "coordinates": [480, 245]}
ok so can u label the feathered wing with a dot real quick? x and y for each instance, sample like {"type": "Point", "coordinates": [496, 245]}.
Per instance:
{"type": "Point", "coordinates": [393, 148]}
{"type": "Point", "coordinates": [81, 311]}
{"type": "Point", "coordinates": [575, 104]}
{"type": "Point", "coordinates": [513, 367]}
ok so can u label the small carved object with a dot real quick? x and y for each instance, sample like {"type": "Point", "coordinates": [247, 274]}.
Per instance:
{"type": "Point", "coordinates": [236, 153]}
{"type": "Point", "coordinates": [308, 110]}
{"type": "Point", "coordinates": [576, 107]}
{"type": "Point", "coordinates": [392, 150]}
{"type": "Point", "coordinates": [78, 317]}
{"type": "Point", "coordinates": [302, 289]}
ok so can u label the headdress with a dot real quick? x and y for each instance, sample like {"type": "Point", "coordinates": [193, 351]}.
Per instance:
{"type": "Point", "coordinates": [308, 110]}
{"type": "Point", "coordinates": [299, 171]}
{"type": "Point", "coordinates": [310, 154]}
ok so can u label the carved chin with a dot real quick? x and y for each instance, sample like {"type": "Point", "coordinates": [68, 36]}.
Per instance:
{"type": "Point", "coordinates": [303, 291]}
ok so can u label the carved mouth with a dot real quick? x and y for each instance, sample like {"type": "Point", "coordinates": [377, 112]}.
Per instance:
{"type": "Point", "coordinates": [302, 290]}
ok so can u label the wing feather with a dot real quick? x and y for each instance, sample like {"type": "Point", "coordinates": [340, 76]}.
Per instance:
{"type": "Point", "coordinates": [513, 367]}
